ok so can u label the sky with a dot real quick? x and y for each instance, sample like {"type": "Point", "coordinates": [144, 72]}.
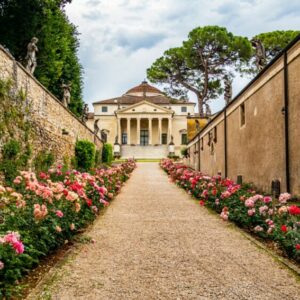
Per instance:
{"type": "Point", "coordinates": [120, 39]}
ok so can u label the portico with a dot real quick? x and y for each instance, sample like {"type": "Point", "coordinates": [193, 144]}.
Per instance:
{"type": "Point", "coordinates": [144, 130]}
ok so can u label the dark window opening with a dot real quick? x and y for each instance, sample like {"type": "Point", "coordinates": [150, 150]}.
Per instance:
{"type": "Point", "coordinates": [124, 138]}
{"type": "Point", "coordinates": [144, 137]}
{"type": "Point", "coordinates": [104, 109]}
{"type": "Point", "coordinates": [242, 114]}
{"type": "Point", "coordinates": [183, 109]}
{"type": "Point", "coordinates": [164, 138]}
{"type": "Point", "coordinates": [184, 140]}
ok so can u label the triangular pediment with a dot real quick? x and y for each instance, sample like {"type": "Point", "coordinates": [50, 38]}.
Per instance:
{"type": "Point", "coordinates": [145, 107]}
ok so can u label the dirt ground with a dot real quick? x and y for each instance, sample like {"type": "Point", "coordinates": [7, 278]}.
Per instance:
{"type": "Point", "coordinates": [155, 242]}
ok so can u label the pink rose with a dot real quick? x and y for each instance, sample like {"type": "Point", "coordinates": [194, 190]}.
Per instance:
{"type": "Point", "coordinates": [59, 213]}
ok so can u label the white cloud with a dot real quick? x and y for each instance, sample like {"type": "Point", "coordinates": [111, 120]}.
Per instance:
{"type": "Point", "coordinates": [121, 38]}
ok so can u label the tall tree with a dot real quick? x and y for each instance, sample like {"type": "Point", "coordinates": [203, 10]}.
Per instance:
{"type": "Point", "coordinates": [58, 42]}
{"type": "Point", "coordinates": [201, 63]}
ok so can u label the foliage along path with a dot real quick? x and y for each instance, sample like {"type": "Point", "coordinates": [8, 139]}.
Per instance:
{"type": "Point", "coordinates": [155, 242]}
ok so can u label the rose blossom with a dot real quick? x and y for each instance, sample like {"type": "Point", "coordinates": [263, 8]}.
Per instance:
{"type": "Point", "coordinates": [72, 226]}
{"type": "Point", "coordinates": [1, 265]}
{"type": "Point", "coordinates": [282, 210]}
{"type": "Point", "coordinates": [249, 203]}
{"type": "Point", "coordinates": [267, 199]}
{"type": "Point", "coordinates": [59, 213]}
{"type": "Point", "coordinates": [284, 197]}
{"type": "Point", "coordinates": [58, 228]}
{"type": "Point", "coordinates": [251, 212]}
{"type": "Point", "coordinates": [258, 228]}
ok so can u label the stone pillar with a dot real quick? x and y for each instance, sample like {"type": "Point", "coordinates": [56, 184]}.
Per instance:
{"type": "Point", "coordinates": [150, 130]}
{"type": "Point", "coordinates": [119, 131]}
{"type": "Point", "coordinates": [159, 131]}
{"type": "Point", "coordinates": [138, 131]}
{"type": "Point", "coordinates": [169, 129]}
{"type": "Point", "coordinates": [128, 131]}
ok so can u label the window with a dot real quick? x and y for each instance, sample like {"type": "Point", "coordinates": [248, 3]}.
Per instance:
{"type": "Point", "coordinates": [164, 138]}
{"type": "Point", "coordinates": [184, 139]}
{"type": "Point", "coordinates": [242, 114]}
{"type": "Point", "coordinates": [215, 134]}
{"type": "Point", "coordinates": [104, 109]}
{"type": "Point", "coordinates": [124, 138]}
{"type": "Point", "coordinates": [183, 109]}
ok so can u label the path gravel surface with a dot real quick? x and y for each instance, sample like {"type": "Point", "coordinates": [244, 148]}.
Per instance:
{"type": "Point", "coordinates": [155, 242]}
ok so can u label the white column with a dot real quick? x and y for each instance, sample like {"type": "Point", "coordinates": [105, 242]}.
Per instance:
{"type": "Point", "coordinates": [159, 131]}
{"type": "Point", "coordinates": [169, 129]}
{"type": "Point", "coordinates": [119, 131]}
{"type": "Point", "coordinates": [138, 131]}
{"type": "Point", "coordinates": [128, 131]}
{"type": "Point", "coordinates": [150, 130]}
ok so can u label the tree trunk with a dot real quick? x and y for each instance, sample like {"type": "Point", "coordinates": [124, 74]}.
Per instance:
{"type": "Point", "coordinates": [200, 105]}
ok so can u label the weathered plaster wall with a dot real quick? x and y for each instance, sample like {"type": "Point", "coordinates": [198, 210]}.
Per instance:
{"type": "Point", "coordinates": [55, 127]}
{"type": "Point", "coordinates": [256, 150]}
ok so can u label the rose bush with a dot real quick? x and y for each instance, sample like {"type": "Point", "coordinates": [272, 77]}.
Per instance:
{"type": "Point", "coordinates": [39, 213]}
{"type": "Point", "coordinates": [260, 214]}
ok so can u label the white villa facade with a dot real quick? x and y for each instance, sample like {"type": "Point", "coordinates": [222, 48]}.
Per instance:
{"type": "Point", "coordinates": [144, 121]}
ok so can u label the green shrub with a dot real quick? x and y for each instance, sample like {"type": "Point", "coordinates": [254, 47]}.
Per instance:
{"type": "Point", "coordinates": [11, 149]}
{"type": "Point", "coordinates": [9, 165]}
{"type": "Point", "coordinates": [107, 153]}
{"type": "Point", "coordinates": [98, 157]}
{"type": "Point", "coordinates": [43, 161]}
{"type": "Point", "coordinates": [184, 152]}
{"type": "Point", "coordinates": [85, 152]}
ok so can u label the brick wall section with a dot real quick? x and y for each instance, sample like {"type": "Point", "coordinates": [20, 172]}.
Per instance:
{"type": "Point", "coordinates": [256, 150]}
{"type": "Point", "coordinates": [49, 116]}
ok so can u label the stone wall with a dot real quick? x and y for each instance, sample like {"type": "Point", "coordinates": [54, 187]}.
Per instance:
{"type": "Point", "coordinates": [257, 149]}
{"type": "Point", "coordinates": [55, 128]}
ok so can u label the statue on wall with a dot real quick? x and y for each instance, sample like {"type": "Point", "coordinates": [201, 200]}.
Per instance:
{"type": "Point", "coordinates": [207, 109]}
{"type": "Point", "coordinates": [198, 128]}
{"type": "Point", "coordinates": [66, 94]}
{"type": "Point", "coordinates": [260, 53]}
{"type": "Point", "coordinates": [103, 135]}
{"type": "Point", "coordinates": [32, 49]}
{"type": "Point", "coordinates": [227, 89]}
{"type": "Point", "coordinates": [85, 113]}
{"type": "Point", "coordinates": [96, 127]}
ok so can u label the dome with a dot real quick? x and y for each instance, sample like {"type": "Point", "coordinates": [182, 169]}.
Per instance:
{"type": "Point", "coordinates": [144, 89]}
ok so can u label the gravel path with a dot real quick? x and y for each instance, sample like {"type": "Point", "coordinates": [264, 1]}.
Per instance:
{"type": "Point", "coordinates": [155, 242]}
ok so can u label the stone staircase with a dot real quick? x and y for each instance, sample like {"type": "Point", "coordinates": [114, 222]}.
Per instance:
{"type": "Point", "coordinates": [128, 151]}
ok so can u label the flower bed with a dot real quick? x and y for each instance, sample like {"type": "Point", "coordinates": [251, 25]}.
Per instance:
{"type": "Point", "coordinates": [40, 213]}
{"type": "Point", "coordinates": [268, 218]}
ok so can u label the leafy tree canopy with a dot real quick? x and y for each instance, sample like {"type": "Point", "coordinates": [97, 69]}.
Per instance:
{"type": "Point", "coordinates": [201, 63]}
{"type": "Point", "coordinates": [58, 43]}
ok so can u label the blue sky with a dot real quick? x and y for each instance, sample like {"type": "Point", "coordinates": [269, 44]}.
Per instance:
{"type": "Point", "coordinates": [121, 38]}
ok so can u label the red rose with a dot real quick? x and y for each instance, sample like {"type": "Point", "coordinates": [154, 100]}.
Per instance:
{"type": "Point", "coordinates": [89, 202]}
{"type": "Point", "coordinates": [284, 228]}
{"type": "Point", "coordinates": [297, 247]}
{"type": "Point", "coordinates": [294, 210]}
{"type": "Point", "coordinates": [202, 203]}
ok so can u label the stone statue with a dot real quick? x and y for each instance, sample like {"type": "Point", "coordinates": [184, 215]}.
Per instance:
{"type": "Point", "coordinates": [85, 113]}
{"type": "Point", "coordinates": [66, 93]}
{"type": "Point", "coordinates": [260, 53]}
{"type": "Point", "coordinates": [32, 49]}
{"type": "Point", "coordinates": [227, 89]}
{"type": "Point", "coordinates": [207, 109]}
{"type": "Point", "coordinates": [197, 125]}
{"type": "Point", "coordinates": [96, 127]}
{"type": "Point", "coordinates": [103, 135]}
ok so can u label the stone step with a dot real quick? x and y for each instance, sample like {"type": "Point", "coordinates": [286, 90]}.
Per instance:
{"type": "Point", "coordinates": [128, 151]}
